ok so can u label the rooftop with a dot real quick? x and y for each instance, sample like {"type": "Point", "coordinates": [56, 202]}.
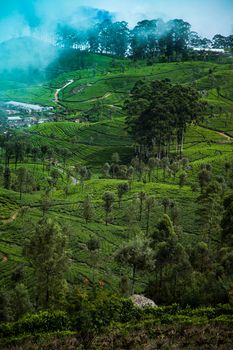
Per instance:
{"type": "Point", "coordinates": [11, 119]}
{"type": "Point", "coordinates": [27, 106]}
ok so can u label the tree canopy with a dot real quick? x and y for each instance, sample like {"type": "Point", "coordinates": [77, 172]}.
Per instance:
{"type": "Point", "coordinates": [159, 113]}
{"type": "Point", "coordinates": [148, 39]}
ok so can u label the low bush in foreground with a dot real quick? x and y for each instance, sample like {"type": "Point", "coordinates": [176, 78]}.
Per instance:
{"type": "Point", "coordinates": [98, 318]}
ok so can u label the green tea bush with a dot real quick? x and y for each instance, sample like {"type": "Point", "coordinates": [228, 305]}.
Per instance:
{"type": "Point", "coordinates": [129, 312]}
{"type": "Point", "coordinates": [95, 313]}
{"type": "Point", "coordinates": [51, 340]}
{"type": "Point", "coordinates": [223, 319]}
{"type": "Point", "coordinates": [160, 311]}
{"type": "Point", "coordinates": [43, 322]}
{"type": "Point", "coordinates": [209, 312]}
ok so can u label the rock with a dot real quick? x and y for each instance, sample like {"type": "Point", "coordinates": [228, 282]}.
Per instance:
{"type": "Point", "coordinates": [142, 302]}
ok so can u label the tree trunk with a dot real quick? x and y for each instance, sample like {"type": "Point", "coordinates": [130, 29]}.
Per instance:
{"type": "Point", "coordinates": [182, 143]}
{"type": "Point", "coordinates": [133, 279]}
{"type": "Point", "coordinates": [16, 162]}
{"type": "Point", "coordinates": [148, 221]}
{"type": "Point", "coordinates": [47, 291]}
{"type": "Point", "coordinates": [106, 219]}
{"type": "Point", "coordinates": [161, 278]}
{"type": "Point", "coordinates": [140, 210]}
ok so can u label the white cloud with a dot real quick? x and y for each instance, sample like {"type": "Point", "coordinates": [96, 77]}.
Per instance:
{"type": "Point", "coordinates": [13, 26]}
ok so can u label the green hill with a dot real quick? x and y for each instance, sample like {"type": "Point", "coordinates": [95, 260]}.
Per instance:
{"type": "Point", "coordinates": [103, 85]}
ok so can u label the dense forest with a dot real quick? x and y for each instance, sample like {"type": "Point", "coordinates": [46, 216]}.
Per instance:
{"type": "Point", "coordinates": [149, 38]}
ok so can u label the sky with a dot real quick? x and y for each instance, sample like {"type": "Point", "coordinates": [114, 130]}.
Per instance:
{"type": "Point", "coordinates": [207, 17]}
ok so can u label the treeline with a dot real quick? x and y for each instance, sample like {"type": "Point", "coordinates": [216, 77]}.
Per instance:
{"type": "Point", "coordinates": [148, 39]}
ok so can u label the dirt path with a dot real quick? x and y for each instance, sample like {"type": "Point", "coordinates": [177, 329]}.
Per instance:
{"type": "Point", "coordinates": [221, 133]}
{"type": "Point", "coordinates": [56, 95]}
{"type": "Point", "coordinates": [228, 137]}
{"type": "Point", "coordinates": [12, 218]}
{"type": "Point", "coordinates": [100, 98]}
{"type": "Point", "coordinates": [73, 179]}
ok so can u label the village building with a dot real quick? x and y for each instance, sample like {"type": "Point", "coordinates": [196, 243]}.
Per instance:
{"type": "Point", "coordinates": [27, 107]}
{"type": "Point", "coordinates": [15, 121]}
{"type": "Point", "coordinates": [207, 49]}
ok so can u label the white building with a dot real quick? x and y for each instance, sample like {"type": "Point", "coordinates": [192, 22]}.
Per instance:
{"type": "Point", "coordinates": [14, 119]}
{"type": "Point", "coordinates": [209, 50]}
{"type": "Point", "coordinates": [28, 107]}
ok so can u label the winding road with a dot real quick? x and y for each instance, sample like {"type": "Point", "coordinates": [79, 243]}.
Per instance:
{"type": "Point", "coordinates": [56, 95]}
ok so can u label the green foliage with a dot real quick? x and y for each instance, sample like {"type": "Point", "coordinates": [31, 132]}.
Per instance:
{"type": "Point", "coordinates": [42, 322]}
{"type": "Point", "coordinates": [227, 221]}
{"type": "Point", "coordinates": [5, 309]}
{"type": "Point", "coordinates": [88, 210]}
{"type": "Point", "coordinates": [137, 255]}
{"type": "Point", "coordinates": [108, 201]}
{"type": "Point", "coordinates": [224, 319]}
{"type": "Point", "coordinates": [122, 189]}
{"type": "Point", "coordinates": [91, 315]}
{"type": "Point", "coordinates": [164, 112]}
{"type": "Point", "coordinates": [58, 339]}
{"type": "Point", "coordinates": [95, 312]}
{"type": "Point", "coordinates": [48, 257]}
{"type": "Point", "coordinates": [20, 301]}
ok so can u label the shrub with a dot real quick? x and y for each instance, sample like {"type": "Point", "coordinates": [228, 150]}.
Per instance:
{"type": "Point", "coordinates": [223, 319]}
{"type": "Point", "coordinates": [43, 322]}
{"type": "Point", "coordinates": [53, 340]}
{"type": "Point", "coordinates": [160, 311]}
{"type": "Point", "coordinates": [208, 312]}
{"type": "Point", "coordinates": [94, 313]}
{"type": "Point", "coordinates": [129, 312]}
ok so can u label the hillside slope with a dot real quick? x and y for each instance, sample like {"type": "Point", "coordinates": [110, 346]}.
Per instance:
{"type": "Point", "coordinates": [93, 143]}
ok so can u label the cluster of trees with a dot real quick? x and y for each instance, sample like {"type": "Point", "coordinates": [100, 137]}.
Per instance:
{"type": "Point", "coordinates": [178, 272]}
{"type": "Point", "coordinates": [218, 41]}
{"type": "Point", "coordinates": [159, 113]}
{"type": "Point", "coordinates": [146, 168]}
{"type": "Point", "coordinates": [149, 38]}
{"type": "Point", "coordinates": [3, 120]}
{"type": "Point", "coordinates": [46, 254]}
{"type": "Point", "coordinates": [16, 149]}
{"type": "Point", "coordinates": [222, 42]}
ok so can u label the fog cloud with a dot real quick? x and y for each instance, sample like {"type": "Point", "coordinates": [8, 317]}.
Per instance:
{"type": "Point", "coordinates": [207, 17]}
{"type": "Point", "coordinates": [39, 18]}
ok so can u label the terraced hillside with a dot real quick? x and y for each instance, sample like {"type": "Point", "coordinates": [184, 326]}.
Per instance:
{"type": "Point", "coordinates": [92, 144]}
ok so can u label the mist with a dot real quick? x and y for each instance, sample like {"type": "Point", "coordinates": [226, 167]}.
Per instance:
{"type": "Point", "coordinates": [28, 32]}
{"type": "Point", "coordinates": [42, 16]}
{"type": "Point", "coordinates": [39, 19]}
